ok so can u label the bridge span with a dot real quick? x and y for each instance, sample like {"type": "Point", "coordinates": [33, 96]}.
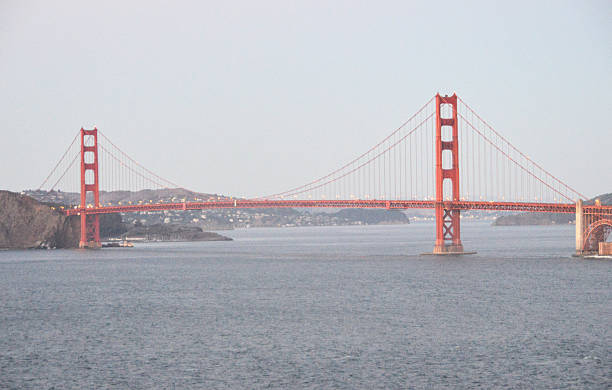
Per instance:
{"type": "Point", "coordinates": [358, 203]}
{"type": "Point", "coordinates": [417, 166]}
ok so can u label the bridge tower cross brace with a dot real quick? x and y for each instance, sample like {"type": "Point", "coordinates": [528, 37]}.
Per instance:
{"type": "Point", "coordinates": [90, 223]}
{"type": "Point", "coordinates": [448, 222]}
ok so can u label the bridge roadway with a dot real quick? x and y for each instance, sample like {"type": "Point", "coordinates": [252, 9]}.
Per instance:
{"type": "Point", "coordinates": [356, 203]}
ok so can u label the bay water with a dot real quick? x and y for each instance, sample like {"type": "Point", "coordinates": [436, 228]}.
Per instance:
{"type": "Point", "coordinates": [353, 307]}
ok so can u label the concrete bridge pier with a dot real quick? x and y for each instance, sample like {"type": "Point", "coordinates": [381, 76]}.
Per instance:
{"type": "Point", "coordinates": [579, 228]}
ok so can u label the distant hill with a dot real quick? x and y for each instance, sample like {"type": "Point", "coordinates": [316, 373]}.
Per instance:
{"type": "Point", "coordinates": [606, 199]}
{"type": "Point", "coordinates": [534, 219]}
{"type": "Point", "coordinates": [546, 218]}
{"type": "Point", "coordinates": [125, 197]}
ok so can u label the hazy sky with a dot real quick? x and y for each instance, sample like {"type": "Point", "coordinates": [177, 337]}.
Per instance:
{"type": "Point", "coordinates": [253, 97]}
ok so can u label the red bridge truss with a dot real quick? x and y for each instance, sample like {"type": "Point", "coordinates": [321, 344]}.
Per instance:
{"type": "Point", "coordinates": [445, 157]}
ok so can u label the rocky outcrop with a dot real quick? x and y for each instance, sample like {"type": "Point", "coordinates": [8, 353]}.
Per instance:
{"type": "Point", "coordinates": [173, 232]}
{"type": "Point", "coordinates": [112, 225]}
{"type": "Point", "coordinates": [27, 223]}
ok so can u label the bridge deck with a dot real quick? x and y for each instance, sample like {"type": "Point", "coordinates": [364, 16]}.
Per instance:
{"type": "Point", "coordinates": [360, 203]}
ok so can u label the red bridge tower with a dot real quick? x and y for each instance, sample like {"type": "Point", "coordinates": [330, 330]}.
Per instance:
{"type": "Point", "coordinates": [448, 222]}
{"type": "Point", "coordinates": [90, 223]}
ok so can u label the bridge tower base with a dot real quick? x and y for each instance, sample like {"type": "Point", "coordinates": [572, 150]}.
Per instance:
{"type": "Point", "coordinates": [90, 223]}
{"type": "Point", "coordinates": [448, 218]}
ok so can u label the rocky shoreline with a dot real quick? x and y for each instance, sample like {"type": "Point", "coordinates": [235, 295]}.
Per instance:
{"type": "Point", "coordinates": [26, 223]}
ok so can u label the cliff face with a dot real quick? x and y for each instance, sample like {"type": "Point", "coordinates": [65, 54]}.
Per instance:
{"type": "Point", "coordinates": [27, 223]}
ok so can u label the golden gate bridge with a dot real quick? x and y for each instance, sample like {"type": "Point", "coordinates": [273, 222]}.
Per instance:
{"type": "Point", "coordinates": [445, 157]}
